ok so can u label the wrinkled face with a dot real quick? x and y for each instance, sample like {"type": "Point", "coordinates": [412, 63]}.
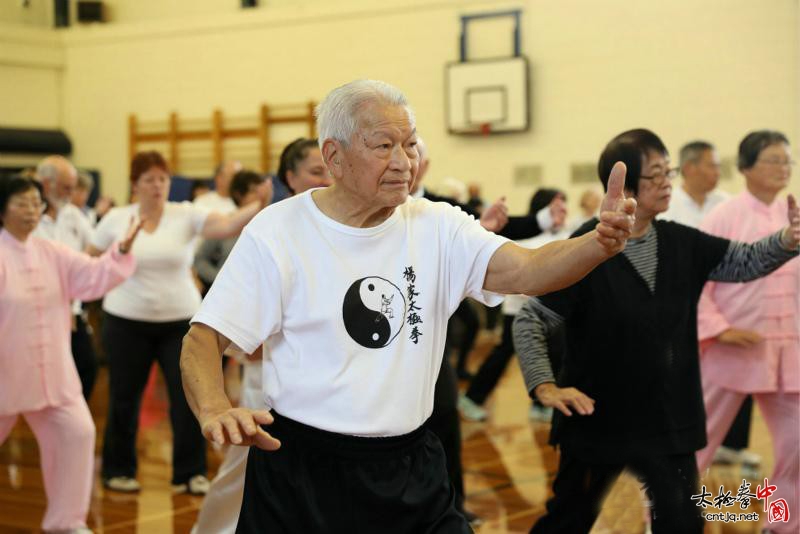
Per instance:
{"type": "Point", "coordinates": [772, 169]}
{"type": "Point", "coordinates": [66, 183]}
{"type": "Point", "coordinates": [309, 173]}
{"type": "Point", "coordinates": [23, 212]}
{"type": "Point", "coordinates": [381, 161]}
{"type": "Point", "coordinates": [654, 193]}
{"type": "Point", "coordinates": [705, 171]}
{"type": "Point", "coordinates": [152, 186]}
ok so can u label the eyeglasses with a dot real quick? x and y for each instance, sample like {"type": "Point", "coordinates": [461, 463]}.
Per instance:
{"type": "Point", "coordinates": [659, 178]}
{"type": "Point", "coordinates": [36, 206]}
{"type": "Point", "coordinates": [777, 162]}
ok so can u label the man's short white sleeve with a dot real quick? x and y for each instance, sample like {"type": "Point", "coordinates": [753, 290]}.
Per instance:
{"type": "Point", "coordinates": [244, 303]}
{"type": "Point", "coordinates": [471, 248]}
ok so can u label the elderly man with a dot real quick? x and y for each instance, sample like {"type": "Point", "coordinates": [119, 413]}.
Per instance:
{"type": "Point", "coordinates": [220, 199]}
{"type": "Point", "coordinates": [65, 223]}
{"type": "Point", "coordinates": [697, 193]}
{"type": "Point", "coordinates": [353, 285]}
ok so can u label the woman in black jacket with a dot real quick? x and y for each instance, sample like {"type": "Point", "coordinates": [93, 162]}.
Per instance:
{"type": "Point", "coordinates": [631, 369]}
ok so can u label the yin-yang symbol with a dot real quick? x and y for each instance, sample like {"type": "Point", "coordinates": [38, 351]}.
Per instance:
{"type": "Point", "coordinates": [374, 311]}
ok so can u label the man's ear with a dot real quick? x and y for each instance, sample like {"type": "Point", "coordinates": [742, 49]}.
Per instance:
{"type": "Point", "coordinates": [332, 152]}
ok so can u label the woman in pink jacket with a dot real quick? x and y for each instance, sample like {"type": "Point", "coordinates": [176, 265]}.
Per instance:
{"type": "Point", "coordinates": [750, 332]}
{"type": "Point", "coordinates": [38, 380]}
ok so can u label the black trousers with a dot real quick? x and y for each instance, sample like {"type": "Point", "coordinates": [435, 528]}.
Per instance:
{"type": "Point", "coordinates": [131, 348]}
{"type": "Point", "coordinates": [581, 487]}
{"type": "Point", "coordinates": [85, 359]}
{"type": "Point", "coordinates": [445, 423]}
{"type": "Point", "coordinates": [738, 437]}
{"type": "Point", "coordinates": [466, 315]}
{"type": "Point", "coordinates": [323, 482]}
{"type": "Point", "coordinates": [492, 368]}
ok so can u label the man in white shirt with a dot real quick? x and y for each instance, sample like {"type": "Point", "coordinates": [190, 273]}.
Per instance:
{"type": "Point", "coordinates": [697, 193]}
{"type": "Point", "coordinates": [352, 285]}
{"type": "Point", "coordinates": [220, 199]}
{"type": "Point", "coordinates": [65, 223]}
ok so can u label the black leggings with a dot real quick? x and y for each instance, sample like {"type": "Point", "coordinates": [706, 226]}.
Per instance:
{"type": "Point", "coordinates": [85, 359]}
{"type": "Point", "coordinates": [132, 346]}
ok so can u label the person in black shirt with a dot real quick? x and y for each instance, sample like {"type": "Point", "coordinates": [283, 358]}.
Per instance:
{"type": "Point", "coordinates": [631, 369]}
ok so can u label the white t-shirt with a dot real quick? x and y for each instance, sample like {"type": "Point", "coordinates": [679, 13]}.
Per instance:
{"type": "Point", "coordinates": [213, 201]}
{"type": "Point", "coordinates": [683, 209]}
{"type": "Point", "coordinates": [70, 227]}
{"type": "Point", "coordinates": [356, 317]}
{"type": "Point", "coordinates": [161, 289]}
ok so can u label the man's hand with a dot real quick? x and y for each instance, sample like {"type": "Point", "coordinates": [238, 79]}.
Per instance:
{"type": "Point", "coordinates": [791, 234]}
{"type": "Point", "coordinates": [562, 398]}
{"type": "Point", "coordinates": [239, 426]}
{"type": "Point", "coordinates": [495, 217]}
{"type": "Point", "coordinates": [616, 213]}
{"type": "Point", "coordinates": [740, 338]}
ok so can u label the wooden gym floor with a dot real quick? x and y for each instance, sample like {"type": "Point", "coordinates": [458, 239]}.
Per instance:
{"type": "Point", "coordinates": [508, 469]}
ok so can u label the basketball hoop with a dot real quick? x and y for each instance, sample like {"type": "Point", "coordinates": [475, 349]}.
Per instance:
{"type": "Point", "coordinates": [486, 129]}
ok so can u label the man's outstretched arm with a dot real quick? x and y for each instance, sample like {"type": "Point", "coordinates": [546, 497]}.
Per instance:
{"type": "Point", "coordinates": [514, 269]}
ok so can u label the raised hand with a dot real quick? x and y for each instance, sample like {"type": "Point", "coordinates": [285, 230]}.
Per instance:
{"type": "Point", "coordinates": [130, 236]}
{"type": "Point", "coordinates": [562, 398]}
{"type": "Point", "coordinates": [239, 426]}
{"type": "Point", "coordinates": [791, 234]}
{"type": "Point", "coordinates": [740, 338]}
{"type": "Point", "coordinates": [495, 217]}
{"type": "Point", "coordinates": [616, 213]}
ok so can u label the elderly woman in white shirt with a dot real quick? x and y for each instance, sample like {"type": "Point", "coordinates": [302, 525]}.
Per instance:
{"type": "Point", "coordinates": [147, 316]}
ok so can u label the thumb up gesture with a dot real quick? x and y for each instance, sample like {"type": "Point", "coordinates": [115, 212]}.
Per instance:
{"type": "Point", "coordinates": [616, 213]}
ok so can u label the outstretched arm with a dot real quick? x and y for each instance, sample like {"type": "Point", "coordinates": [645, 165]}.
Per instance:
{"type": "Point", "coordinates": [514, 269]}
{"type": "Point", "coordinates": [201, 370]}
{"type": "Point", "coordinates": [744, 262]}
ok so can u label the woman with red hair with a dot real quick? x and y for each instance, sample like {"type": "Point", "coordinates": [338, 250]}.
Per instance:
{"type": "Point", "coordinates": [147, 317]}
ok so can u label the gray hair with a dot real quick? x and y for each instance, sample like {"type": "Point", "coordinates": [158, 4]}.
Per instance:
{"type": "Point", "coordinates": [48, 169]}
{"type": "Point", "coordinates": [692, 152]}
{"type": "Point", "coordinates": [85, 182]}
{"type": "Point", "coordinates": [337, 114]}
{"type": "Point", "coordinates": [422, 149]}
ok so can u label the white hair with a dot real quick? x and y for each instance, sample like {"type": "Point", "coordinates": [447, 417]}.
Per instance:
{"type": "Point", "coordinates": [50, 167]}
{"type": "Point", "coordinates": [422, 149]}
{"type": "Point", "coordinates": [46, 170]}
{"type": "Point", "coordinates": [337, 114]}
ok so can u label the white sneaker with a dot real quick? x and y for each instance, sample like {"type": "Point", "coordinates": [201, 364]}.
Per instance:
{"type": "Point", "coordinates": [725, 455]}
{"type": "Point", "coordinates": [543, 414]}
{"type": "Point", "coordinates": [471, 411]}
{"type": "Point", "coordinates": [749, 459]}
{"type": "Point", "coordinates": [197, 485]}
{"type": "Point", "coordinates": [122, 484]}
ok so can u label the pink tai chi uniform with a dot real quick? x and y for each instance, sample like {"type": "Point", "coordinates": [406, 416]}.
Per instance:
{"type": "Point", "coordinates": [38, 279]}
{"type": "Point", "coordinates": [770, 370]}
